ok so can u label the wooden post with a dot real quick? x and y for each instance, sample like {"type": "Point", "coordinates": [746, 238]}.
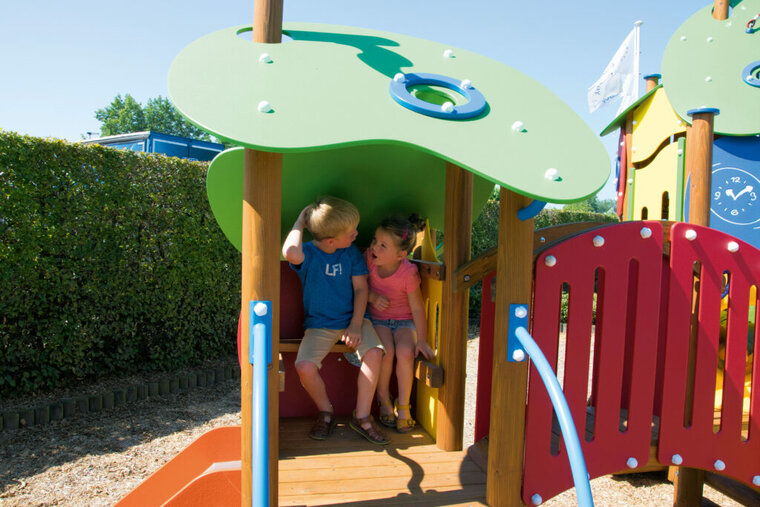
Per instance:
{"type": "Point", "coordinates": [652, 81]}
{"type": "Point", "coordinates": [514, 269]}
{"type": "Point", "coordinates": [628, 211]}
{"type": "Point", "coordinates": [262, 203]}
{"type": "Point", "coordinates": [453, 344]}
{"type": "Point", "coordinates": [688, 482]}
{"type": "Point", "coordinates": [699, 147]}
{"type": "Point", "coordinates": [267, 21]}
{"type": "Point", "coordinates": [720, 10]}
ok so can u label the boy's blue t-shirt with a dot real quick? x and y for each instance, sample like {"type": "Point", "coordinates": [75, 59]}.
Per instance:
{"type": "Point", "coordinates": [328, 293]}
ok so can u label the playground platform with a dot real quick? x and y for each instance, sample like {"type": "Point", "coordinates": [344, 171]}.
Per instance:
{"type": "Point", "coordinates": [347, 470]}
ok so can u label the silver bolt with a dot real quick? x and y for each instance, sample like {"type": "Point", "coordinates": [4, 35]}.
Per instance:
{"type": "Point", "coordinates": [260, 309]}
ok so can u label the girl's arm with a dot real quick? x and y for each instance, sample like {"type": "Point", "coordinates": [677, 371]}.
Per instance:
{"type": "Point", "coordinates": [420, 323]}
{"type": "Point", "coordinates": [292, 248]}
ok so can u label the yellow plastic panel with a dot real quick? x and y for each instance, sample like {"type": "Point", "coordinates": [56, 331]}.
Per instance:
{"type": "Point", "coordinates": [432, 295]}
{"type": "Point", "coordinates": [653, 180]}
{"type": "Point", "coordinates": [655, 121]}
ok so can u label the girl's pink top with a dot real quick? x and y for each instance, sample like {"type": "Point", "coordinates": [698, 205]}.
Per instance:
{"type": "Point", "coordinates": [396, 288]}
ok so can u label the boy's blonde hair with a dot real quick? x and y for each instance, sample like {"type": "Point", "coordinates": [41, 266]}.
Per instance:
{"type": "Point", "coordinates": [329, 217]}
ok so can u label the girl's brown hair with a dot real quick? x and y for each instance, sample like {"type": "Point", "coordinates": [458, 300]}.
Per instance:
{"type": "Point", "coordinates": [403, 230]}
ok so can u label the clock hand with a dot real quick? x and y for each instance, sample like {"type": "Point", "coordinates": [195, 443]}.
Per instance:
{"type": "Point", "coordinates": [746, 189]}
{"type": "Point", "coordinates": [731, 193]}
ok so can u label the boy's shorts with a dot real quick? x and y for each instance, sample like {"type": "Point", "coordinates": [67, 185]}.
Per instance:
{"type": "Point", "coordinates": [316, 343]}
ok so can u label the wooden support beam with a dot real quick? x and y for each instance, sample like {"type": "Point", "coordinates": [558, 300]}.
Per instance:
{"type": "Point", "coordinates": [720, 10]}
{"type": "Point", "coordinates": [689, 482]}
{"type": "Point", "coordinates": [509, 380]}
{"type": "Point", "coordinates": [453, 343]}
{"type": "Point", "coordinates": [699, 149]}
{"type": "Point", "coordinates": [262, 209]}
{"type": "Point", "coordinates": [267, 21]}
{"type": "Point", "coordinates": [652, 80]}
{"type": "Point", "coordinates": [262, 191]}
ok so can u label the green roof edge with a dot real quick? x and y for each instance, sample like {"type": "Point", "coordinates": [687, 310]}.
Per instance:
{"type": "Point", "coordinates": [621, 117]}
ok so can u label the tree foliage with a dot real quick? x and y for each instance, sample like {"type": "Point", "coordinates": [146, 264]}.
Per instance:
{"type": "Point", "coordinates": [593, 205]}
{"type": "Point", "coordinates": [125, 115]}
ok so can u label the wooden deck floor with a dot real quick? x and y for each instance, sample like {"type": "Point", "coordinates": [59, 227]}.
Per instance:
{"type": "Point", "coordinates": [348, 470]}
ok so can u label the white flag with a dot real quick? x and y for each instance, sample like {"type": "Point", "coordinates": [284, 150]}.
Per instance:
{"type": "Point", "coordinates": [619, 78]}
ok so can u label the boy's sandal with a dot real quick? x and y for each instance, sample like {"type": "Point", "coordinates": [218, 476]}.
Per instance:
{"type": "Point", "coordinates": [372, 433]}
{"type": "Point", "coordinates": [404, 425]}
{"type": "Point", "coordinates": [323, 426]}
{"type": "Point", "coordinates": [388, 420]}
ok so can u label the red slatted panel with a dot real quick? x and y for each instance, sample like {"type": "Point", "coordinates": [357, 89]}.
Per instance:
{"type": "Point", "coordinates": [485, 359]}
{"type": "Point", "coordinates": [698, 444]}
{"type": "Point", "coordinates": [627, 320]}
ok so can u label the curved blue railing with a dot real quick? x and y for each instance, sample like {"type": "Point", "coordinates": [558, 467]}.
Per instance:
{"type": "Point", "coordinates": [569, 433]}
{"type": "Point", "coordinates": [260, 348]}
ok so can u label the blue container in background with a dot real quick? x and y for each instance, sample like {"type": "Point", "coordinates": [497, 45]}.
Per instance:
{"type": "Point", "coordinates": [156, 142]}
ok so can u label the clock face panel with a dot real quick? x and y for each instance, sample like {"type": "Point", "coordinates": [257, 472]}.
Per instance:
{"type": "Point", "coordinates": [735, 196]}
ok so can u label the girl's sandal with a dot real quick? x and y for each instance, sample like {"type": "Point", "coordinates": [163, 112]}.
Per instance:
{"type": "Point", "coordinates": [388, 420]}
{"type": "Point", "coordinates": [404, 425]}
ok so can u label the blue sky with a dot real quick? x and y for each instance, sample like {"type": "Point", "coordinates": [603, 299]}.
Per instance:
{"type": "Point", "coordinates": [61, 61]}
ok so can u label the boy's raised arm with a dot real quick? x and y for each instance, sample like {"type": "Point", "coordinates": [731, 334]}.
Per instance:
{"type": "Point", "coordinates": [292, 248]}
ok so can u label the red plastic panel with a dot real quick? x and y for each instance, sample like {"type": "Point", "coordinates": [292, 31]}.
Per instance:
{"type": "Point", "coordinates": [485, 360]}
{"type": "Point", "coordinates": [695, 441]}
{"type": "Point", "coordinates": [624, 349]}
{"type": "Point", "coordinates": [291, 306]}
{"type": "Point", "coordinates": [340, 381]}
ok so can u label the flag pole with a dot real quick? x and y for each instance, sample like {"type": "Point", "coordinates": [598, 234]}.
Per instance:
{"type": "Point", "coordinates": [637, 26]}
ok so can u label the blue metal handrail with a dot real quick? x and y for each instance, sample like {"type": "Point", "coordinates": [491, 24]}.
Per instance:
{"type": "Point", "coordinates": [260, 356]}
{"type": "Point", "coordinates": [569, 433]}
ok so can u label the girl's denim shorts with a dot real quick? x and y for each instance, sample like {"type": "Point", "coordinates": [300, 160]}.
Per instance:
{"type": "Point", "coordinates": [393, 324]}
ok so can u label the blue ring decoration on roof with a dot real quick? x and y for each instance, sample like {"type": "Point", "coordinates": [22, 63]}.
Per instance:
{"type": "Point", "coordinates": [748, 74]}
{"type": "Point", "coordinates": [399, 89]}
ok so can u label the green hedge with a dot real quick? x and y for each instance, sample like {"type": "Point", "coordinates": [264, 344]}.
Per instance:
{"type": "Point", "coordinates": [485, 232]}
{"type": "Point", "coordinates": [110, 262]}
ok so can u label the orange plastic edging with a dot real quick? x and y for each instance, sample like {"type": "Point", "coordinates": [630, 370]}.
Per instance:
{"type": "Point", "coordinates": [221, 487]}
{"type": "Point", "coordinates": [218, 445]}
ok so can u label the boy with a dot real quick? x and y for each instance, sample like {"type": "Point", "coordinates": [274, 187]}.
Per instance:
{"type": "Point", "coordinates": [334, 279]}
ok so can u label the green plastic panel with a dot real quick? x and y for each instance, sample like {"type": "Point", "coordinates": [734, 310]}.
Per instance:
{"type": "Point", "coordinates": [379, 180]}
{"type": "Point", "coordinates": [329, 87]}
{"type": "Point", "coordinates": [703, 64]}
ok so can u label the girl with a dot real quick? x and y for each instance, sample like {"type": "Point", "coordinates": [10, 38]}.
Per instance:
{"type": "Point", "coordinates": [397, 311]}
